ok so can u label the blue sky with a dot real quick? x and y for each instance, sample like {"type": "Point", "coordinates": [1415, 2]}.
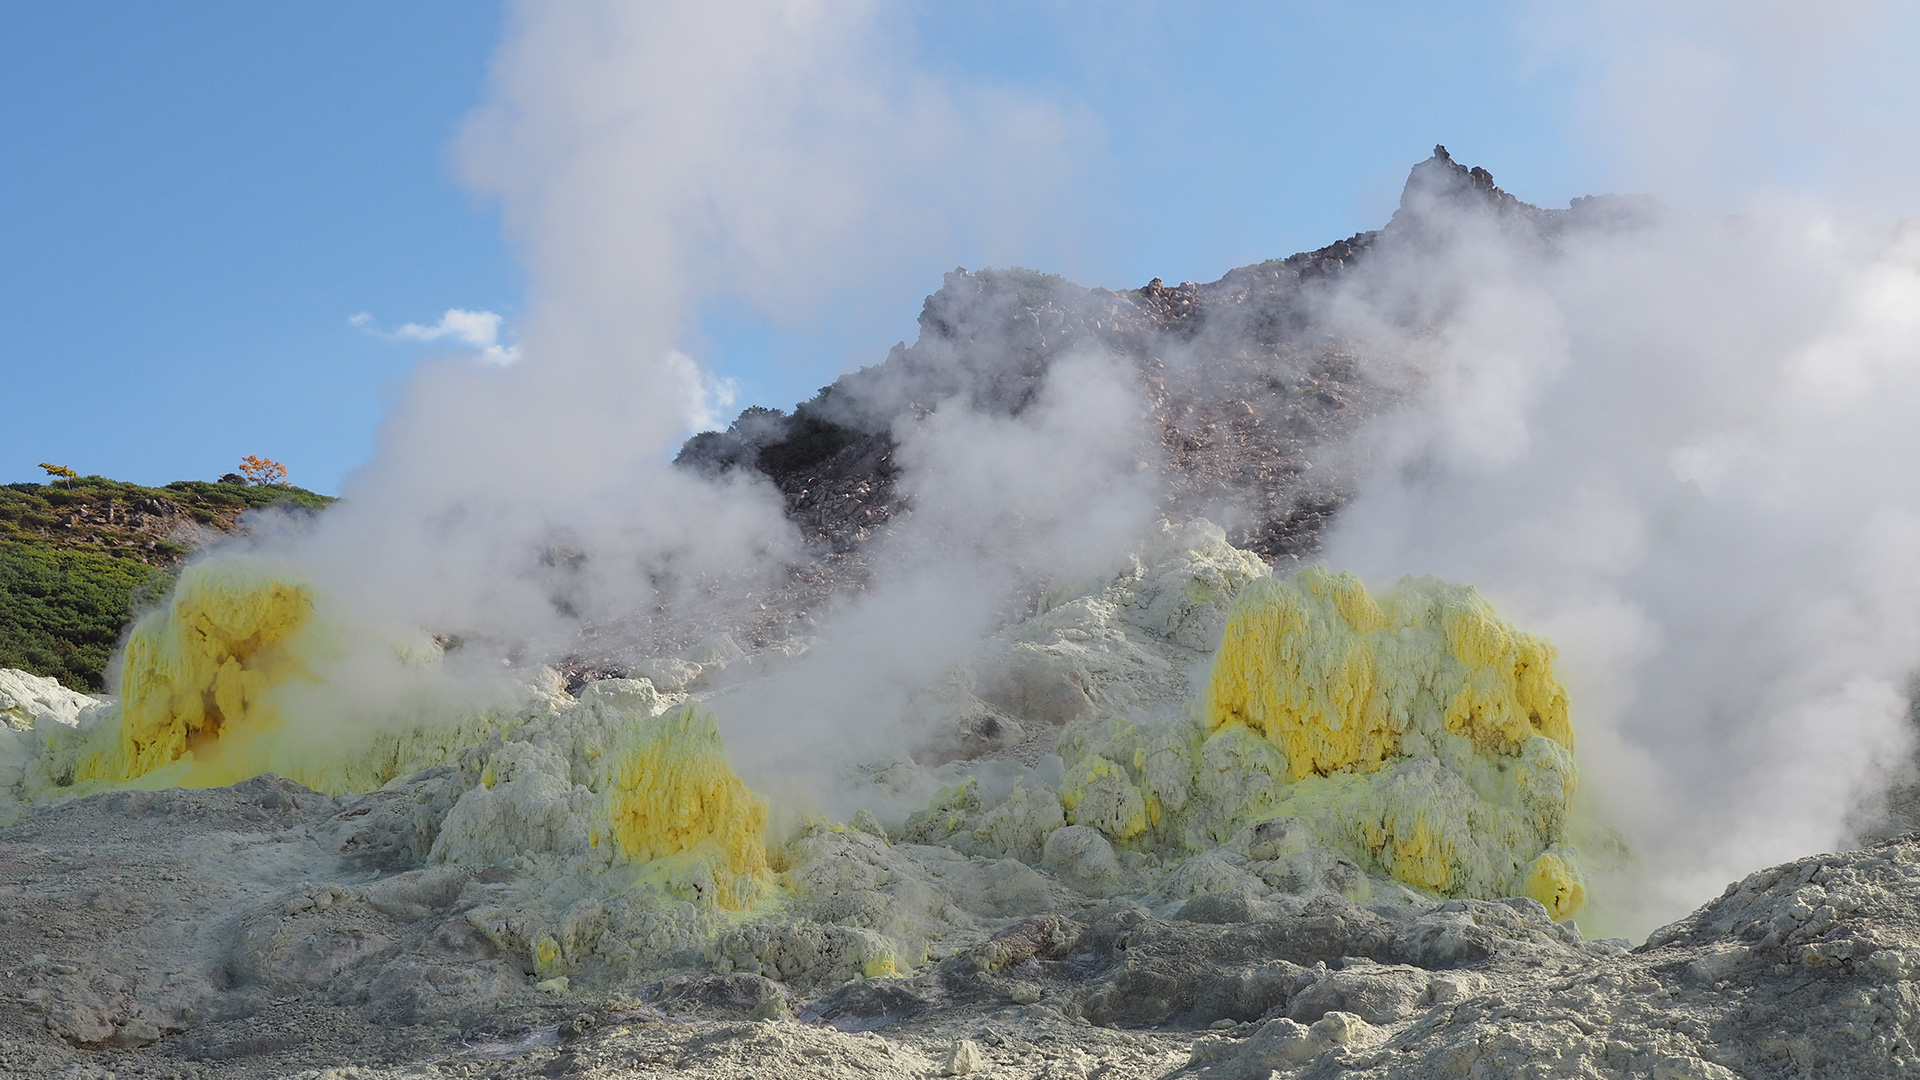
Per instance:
{"type": "Point", "coordinates": [197, 200]}
{"type": "Point", "coordinates": [193, 205]}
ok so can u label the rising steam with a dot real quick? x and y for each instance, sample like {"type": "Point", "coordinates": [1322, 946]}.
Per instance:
{"type": "Point", "coordinates": [1681, 452]}
{"type": "Point", "coordinates": [1679, 446]}
{"type": "Point", "coordinates": [646, 160]}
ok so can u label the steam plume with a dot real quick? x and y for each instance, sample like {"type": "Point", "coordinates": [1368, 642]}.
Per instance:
{"type": "Point", "coordinates": [1681, 451]}
{"type": "Point", "coordinates": [647, 159]}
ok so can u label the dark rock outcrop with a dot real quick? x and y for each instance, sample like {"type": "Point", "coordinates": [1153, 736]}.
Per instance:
{"type": "Point", "coordinates": [1252, 391]}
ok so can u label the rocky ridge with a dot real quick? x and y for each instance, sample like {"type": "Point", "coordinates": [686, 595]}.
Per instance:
{"type": "Point", "coordinates": [1251, 391]}
{"type": "Point", "coordinates": [156, 527]}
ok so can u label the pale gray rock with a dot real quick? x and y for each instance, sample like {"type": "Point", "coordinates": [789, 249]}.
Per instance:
{"type": "Point", "coordinates": [1281, 1044]}
{"type": "Point", "coordinates": [1083, 858]}
{"type": "Point", "coordinates": [1377, 993]}
{"type": "Point", "coordinates": [668, 673]}
{"type": "Point", "coordinates": [27, 700]}
{"type": "Point", "coordinates": [963, 1059]}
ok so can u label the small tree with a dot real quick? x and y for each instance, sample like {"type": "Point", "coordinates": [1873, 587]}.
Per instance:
{"type": "Point", "coordinates": [259, 470]}
{"type": "Point", "coordinates": [59, 472]}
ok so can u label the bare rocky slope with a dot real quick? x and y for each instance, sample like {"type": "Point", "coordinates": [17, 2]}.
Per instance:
{"type": "Point", "coordinates": [1251, 398]}
{"type": "Point", "coordinates": [1248, 390]}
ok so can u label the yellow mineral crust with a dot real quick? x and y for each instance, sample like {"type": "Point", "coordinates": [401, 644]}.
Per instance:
{"type": "Point", "coordinates": [1552, 882]}
{"type": "Point", "coordinates": [1509, 693]}
{"type": "Point", "coordinates": [1416, 725]}
{"type": "Point", "coordinates": [673, 802]}
{"type": "Point", "coordinates": [1335, 679]}
{"type": "Point", "coordinates": [212, 689]}
{"type": "Point", "coordinates": [196, 688]}
{"type": "Point", "coordinates": [1419, 857]}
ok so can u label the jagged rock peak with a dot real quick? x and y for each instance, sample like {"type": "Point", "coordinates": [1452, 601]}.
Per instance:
{"type": "Point", "coordinates": [1442, 186]}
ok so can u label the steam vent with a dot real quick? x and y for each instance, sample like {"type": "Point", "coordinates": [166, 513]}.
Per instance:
{"type": "Point", "coordinates": [1179, 800]}
{"type": "Point", "coordinates": [197, 680]}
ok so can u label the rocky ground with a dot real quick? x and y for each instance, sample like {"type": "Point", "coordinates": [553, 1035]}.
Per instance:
{"type": "Point", "coordinates": [264, 930]}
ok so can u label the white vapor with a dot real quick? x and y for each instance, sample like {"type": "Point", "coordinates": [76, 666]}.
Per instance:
{"type": "Point", "coordinates": [648, 159]}
{"type": "Point", "coordinates": [1056, 493]}
{"type": "Point", "coordinates": [1719, 103]}
{"type": "Point", "coordinates": [1683, 453]}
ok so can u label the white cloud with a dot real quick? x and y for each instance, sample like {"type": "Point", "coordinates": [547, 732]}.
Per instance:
{"type": "Point", "coordinates": [707, 399]}
{"type": "Point", "coordinates": [478, 330]}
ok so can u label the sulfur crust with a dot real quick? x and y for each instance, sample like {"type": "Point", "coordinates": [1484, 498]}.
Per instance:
{"type": "Point", "coordinates": [1416, 727]}
{"type": "Point", "coordinates": [1334, 679]}
{"type": "Point", "coordinates": [203, 687]}
{"type": "Point", "coordinates": [1413, 732]}
{"type": "Point", "coordinates": [672, 802]}
{"type": "Point", "coordinates": [1552, 882]}
{"type": "Point", "coordinates": [196, 689]}
{"type": "Point", "coordinates": [201, 697]}
{"type": "Point", "coordinates": [1098, 789]}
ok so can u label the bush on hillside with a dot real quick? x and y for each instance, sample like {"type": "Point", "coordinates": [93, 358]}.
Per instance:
{"type": "Point", "coordinates": [62, 612]}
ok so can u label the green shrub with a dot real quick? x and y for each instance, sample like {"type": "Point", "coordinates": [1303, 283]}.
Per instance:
{"type": "Point", "coordinates": [206, 491]}
{"type": "Point", "coordinates": [810, 440]}
{"type": "Point", "coordinates": [62, 612]}
{"type": "Point", "coordinates": [66, 592]}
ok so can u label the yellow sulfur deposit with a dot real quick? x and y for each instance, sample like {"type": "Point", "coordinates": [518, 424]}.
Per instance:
{"type": "Point", "coordinates": [673, 802]}
{"type": "Point", "coordinates": [196, 690]}
{"type": "Point", "coordinates": [206, 685]}
{"type": "Point", "coordinates": [1418, 857]}
{"type": "Point", "coordinates": [1508, 693]}
{"type": "Point", "coordinates": [1335, 679]}
{"type": "Point", "coordinates": [1417, 727]}
{"type": "Point", "coordinates": [1552, 882]}
{"type": "Point", "coordinates": [209, 679]}
{"type": "Point", "coordinates": [1414, 733]}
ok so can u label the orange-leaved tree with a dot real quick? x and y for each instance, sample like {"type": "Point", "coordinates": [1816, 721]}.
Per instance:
{"type": "Point", "coordinates": [59, 472]}
{"type": "Point", "coordinates": [259, 470]}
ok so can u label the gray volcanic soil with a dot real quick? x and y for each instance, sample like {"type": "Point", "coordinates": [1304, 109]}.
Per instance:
{"type": "Point", "coordinates": [264, 930]}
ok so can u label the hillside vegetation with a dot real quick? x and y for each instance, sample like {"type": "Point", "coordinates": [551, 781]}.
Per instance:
{"type": "Point", "coordinates": [79, 557]}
